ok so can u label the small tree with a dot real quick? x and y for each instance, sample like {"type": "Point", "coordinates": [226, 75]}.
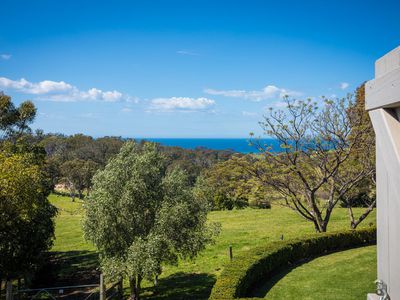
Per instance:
{"type": "Point", "coordinates": [140, 217]}
{"type": "Point", "coordinates": [77, 174]}
{"type": "Point", "coordinates": [230, 184]}
{"type": "Point", "coordinates": [312, 168]}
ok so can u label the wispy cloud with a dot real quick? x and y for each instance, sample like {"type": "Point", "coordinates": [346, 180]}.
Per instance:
{"type": "Point", "coordinates": [5, 56]}
{"type": "Point", "coordinates": [344, 85]}
{"type": "Point", "coordinates": [187, 52]}
{"type": "Point", "coordinates": [182, 104]}
{"type": "Point", "coordinates": [126, 110]}
{"type": "Point", "coordinates": [249, 114]}
{"type": "Point", "coordinates": [268, 92]}
{"type": "Point", "coordinates": [62, 91]}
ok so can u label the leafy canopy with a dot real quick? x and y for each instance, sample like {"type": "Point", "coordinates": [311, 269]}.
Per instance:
{"type": "Point", "coordinates": [26, 216]}
{"type": "Point", "coordinates": [140, 216]}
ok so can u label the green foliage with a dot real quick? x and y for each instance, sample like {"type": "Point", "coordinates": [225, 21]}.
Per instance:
{"type": "Point", "coordinates": [14, 121]}
{"type": "Point", "coordinates": [139, 216]}
{"type": "Point", "coordinates": [26, 216]}
{"type": "Point", "coordinates": [232, 184]}
{"type": "Point", "coordinates": [61, 149]}
{"type": "Point", "coordinates": [246, 271]}
{"type": "Point", "coordinates": [77, 175]}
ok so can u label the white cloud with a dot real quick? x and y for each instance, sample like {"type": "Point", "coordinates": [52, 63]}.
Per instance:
{"type": "Point", "coordinates": [344, 85]}
{"type": "Point", "coordinates": [181, 104]}
{"type": "Point", "coordinates": [5, 56]}
{"type": "Point", "coordinates": [187, 52]}
{"type": "Point", "coordinates": [268, 92]}
{"type": "Point", "coordinates": [126, 109]}
{"type": "Point", "coordinates": [62, 91]}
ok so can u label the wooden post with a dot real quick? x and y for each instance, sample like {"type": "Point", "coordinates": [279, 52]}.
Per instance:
{"type": "Point", "coordinates": [102, 288]}
{"type": "Point", "coordinates": [9, 292]}
{"type": "Point", "coordinates": [230, 252]}
{"type": "Point", "coordinates": [17, 295]}
{"type": "Point", "coordinates": [120, 289]}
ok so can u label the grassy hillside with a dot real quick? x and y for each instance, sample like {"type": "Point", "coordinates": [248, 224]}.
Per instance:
{"type": "Point", "coordinates": [243, 229]}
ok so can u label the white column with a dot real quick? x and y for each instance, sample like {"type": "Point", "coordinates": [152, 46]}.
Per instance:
{"type": "Point", "coordinates": [382, 96]}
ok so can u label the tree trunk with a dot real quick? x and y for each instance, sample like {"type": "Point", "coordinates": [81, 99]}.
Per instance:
{"type": "Point", "coordinates": [137, 288]}
{"type": "Point", "coordinates": [354, 223]}
{"type": "Point", "coordinates": [317, 229]}
{"type": "Point", "coordinates": [72, 194]}
{"type": "Point", "coordinates": [132, 286]}
{"type": "Point", "coordinates": [324, 227]}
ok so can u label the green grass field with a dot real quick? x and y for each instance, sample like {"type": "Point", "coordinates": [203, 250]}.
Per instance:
{"type": "Point", "coordinates": [243, 229]}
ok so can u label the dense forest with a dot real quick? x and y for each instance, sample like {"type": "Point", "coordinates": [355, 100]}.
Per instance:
{"type": "Point", "coordinates": [73, 160]}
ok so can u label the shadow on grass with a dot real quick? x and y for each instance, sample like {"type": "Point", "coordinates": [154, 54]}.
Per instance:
{"type": "Point", "coordinates": [261, 290]}
{"type": "Point", "coordinates": [180, 286]}
{"type": "Point", "coordinates": [68, 268]}
{"type": "Point", "coordinates": [81, 267]}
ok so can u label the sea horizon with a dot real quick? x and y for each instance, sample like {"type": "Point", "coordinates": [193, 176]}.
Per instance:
{"type": "Point", "coordinates": [239, 145]}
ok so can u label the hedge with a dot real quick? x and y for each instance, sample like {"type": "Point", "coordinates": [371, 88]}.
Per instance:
{"type": "Point", "coordinates": [259, 264]}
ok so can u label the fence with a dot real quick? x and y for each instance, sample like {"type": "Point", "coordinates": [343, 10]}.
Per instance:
{"type": "Point", "coordinates": [76, 292]}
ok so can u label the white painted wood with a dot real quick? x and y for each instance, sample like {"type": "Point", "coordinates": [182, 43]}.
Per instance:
{"type": "Point", "coordinates": [373, 297]}
{"type": "Point", "coordinates": [382, 219]}
{"type": "Point", "coordinates": [383, 102]}
{"type": "Point", "coordinates": [384, 91]}
{"type": "Point", "coordinates": [387, 63]}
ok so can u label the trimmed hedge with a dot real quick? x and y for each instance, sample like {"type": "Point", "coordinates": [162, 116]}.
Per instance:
{"type": "Point", "coordinates": [259, 264]}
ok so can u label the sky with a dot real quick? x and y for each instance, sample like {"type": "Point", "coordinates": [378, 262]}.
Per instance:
{"type": "Point", "coordinates": [189, 69]}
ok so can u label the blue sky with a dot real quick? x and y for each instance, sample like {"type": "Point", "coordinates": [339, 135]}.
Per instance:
{"type": "Point", "coordinates": [184, 68]}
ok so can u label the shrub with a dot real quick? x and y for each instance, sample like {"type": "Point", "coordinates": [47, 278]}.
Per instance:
{"type": "Point", "coordinates": [259, 264]}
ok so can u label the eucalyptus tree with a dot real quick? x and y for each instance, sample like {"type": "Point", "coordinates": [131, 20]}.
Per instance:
{"type": "Point", "coordinates": [317, 163]}
{"type": "Point", "coordinates": [15, 121]}
{"type": "Point", "coordinates": [140, 216]}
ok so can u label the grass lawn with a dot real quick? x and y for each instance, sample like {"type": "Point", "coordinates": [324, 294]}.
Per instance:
{"type": "Point", "coordinates": [243, 229]}
{"type": "Point", "coordinates": [343, 275]}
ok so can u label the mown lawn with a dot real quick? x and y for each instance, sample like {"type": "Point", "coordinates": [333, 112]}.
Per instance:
{"type": "Point", "coordinates": [343, 275]}
{"type": "Point", "coordinates": [243, 229]}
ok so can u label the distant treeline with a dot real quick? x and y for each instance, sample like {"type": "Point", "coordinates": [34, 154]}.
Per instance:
{"type": "Point", "coordinates": [73, 160]}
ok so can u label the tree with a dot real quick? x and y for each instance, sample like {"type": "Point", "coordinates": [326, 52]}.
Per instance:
{"type": "Point", "coordinates": [231, 184]}
{"type": "Point", "coordinates": [139, 216]}
{"type": "Point", "coordinates": [309, 169]}
{"type": "Point", "coordinates": [26, 216]}
{"type": "Point", "coordinates": [14, 121]}
{"type": "Point", "coordinates": [360, 163]}
{"type": "Point", "coordinates": [77, 174]}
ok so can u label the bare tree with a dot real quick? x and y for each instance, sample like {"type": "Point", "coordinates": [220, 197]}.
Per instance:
{"type": "Point", "coordinates": [316, 146]}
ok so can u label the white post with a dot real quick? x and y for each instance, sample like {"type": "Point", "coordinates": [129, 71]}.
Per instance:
{"type": "Point", "coordinates": [382, 100]}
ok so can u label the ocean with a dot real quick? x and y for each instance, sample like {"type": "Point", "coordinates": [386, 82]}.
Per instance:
{"type": "Point", "coordinates": [240, 145]}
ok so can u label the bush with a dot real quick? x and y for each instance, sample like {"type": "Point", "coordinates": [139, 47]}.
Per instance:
{"type": "Point", "coordinates": [259, 264]}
